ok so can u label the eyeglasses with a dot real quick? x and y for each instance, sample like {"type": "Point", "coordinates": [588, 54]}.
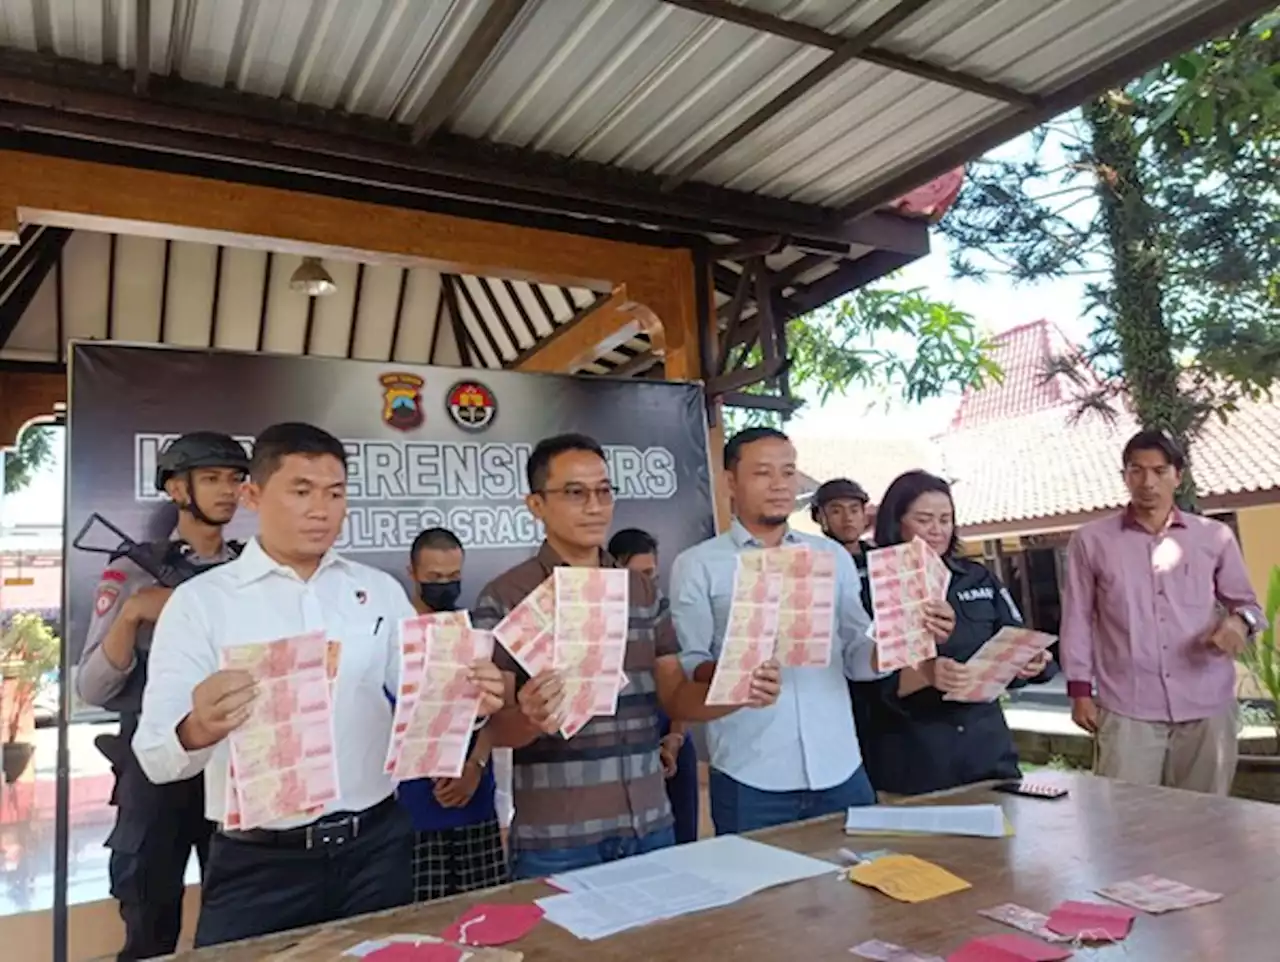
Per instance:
{"type": "Point", "coordinates": [580, 496]}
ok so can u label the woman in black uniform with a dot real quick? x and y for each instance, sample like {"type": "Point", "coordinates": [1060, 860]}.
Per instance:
{"type": "Point", "coordinates": [913, 741]}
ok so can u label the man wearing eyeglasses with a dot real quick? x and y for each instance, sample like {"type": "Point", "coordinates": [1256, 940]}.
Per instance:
{"type": "Point", "coordinates": [600, 795]}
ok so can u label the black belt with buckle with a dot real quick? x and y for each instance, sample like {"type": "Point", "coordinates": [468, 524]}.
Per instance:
{"type": "Point", "coordinates": [331, 830]}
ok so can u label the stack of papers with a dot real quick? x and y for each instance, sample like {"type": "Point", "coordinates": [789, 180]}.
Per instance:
{"type": "Point", "coordinates": [750, 635]}
{"type": "Point", "coordinates": [607, 899]}
{"type": "Point", "coordinates": [575, 622]}
{"type": "Point", "coordinates": [998, 662]}
{"type": "Point", "coordinates": [783, 607]}
{"type": "Point", "coordinates": [413, 666]}
{"type": "Point", "coordinates": [283, 763]}
{"type": "Point", "coordinates": [1156, 895]}
{"type": "Point", "coordinates": [979, 821]}
{"type": "Point", "coordinates": [437, 734]}
{"type": "Point", "coordinates": [592, 613]}
{"type": "Point", "coordinates": [904, 577]}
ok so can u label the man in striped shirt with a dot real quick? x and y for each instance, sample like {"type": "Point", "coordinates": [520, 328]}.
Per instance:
{"type": "Point", "coordinates": [599, 796]}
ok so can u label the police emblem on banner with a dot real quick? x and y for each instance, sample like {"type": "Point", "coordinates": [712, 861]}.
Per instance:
{"type": "Point", "coordinates": [471, 405]}
{"type": "Point", "coordinates": [402, 401]}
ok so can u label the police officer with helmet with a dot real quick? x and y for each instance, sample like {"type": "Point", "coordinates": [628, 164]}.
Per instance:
{"type": "Point", "coordinates": [157, 826]}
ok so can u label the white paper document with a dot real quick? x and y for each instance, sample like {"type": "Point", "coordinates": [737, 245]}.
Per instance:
{"type": "Point", "coordinates": [982, 821]}
{"type": "Point", "coordinates": [371, 946]}
{"type": "Point", "coordinates": [606, 899]}
{"type": "Point", "coordinates": [596, 914]}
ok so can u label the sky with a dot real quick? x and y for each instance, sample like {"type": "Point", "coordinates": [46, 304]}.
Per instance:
{"type": "Point", "coordinates": [995, 304]}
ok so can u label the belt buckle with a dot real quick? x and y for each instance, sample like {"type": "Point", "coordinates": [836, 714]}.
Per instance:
{"type": "Point", "coordinates": [332, 833]}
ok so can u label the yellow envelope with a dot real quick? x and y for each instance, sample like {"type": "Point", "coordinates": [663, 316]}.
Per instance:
{"type": "Point", "coordinates": [907, 878]}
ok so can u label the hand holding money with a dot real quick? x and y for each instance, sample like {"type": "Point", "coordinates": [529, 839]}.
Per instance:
{"type": "Point", "coordinates": [766, 683]}
{"type": "Point", "coordinates": [542, 701]}
{"type": "Point", "coordinates": [951, 676]}
{"type": "Point", "coordinates": [219, 705]}
{"type": "Point", "coordinates": [487, 678]}
{"type": "Point", "coordinates": [939, 619]}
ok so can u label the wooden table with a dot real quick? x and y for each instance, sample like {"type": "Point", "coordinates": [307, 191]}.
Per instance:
{"type": "Point", "coordinates": [1103, 832]}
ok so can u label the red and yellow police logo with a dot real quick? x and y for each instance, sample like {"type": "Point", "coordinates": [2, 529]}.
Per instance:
{"type": "Point", "coordinates": [106, 600]}
{"type": "Point", "coordinates": [471, 405]}
{"type": "Point", "coordinates": [402, 401]}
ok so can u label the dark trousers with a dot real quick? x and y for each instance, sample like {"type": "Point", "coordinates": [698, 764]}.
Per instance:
{"type": "Point", "coordinates": [682, 793]}
{"type": "Point", "coordinates": [151, 845]}
{"type": "Point", "coordinates": [254, 889]}
{"type": "Point", "coordinates": [737, 808]}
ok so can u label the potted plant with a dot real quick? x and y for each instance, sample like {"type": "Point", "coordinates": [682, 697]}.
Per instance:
{"type": "Point", "coordinates": [1258, 774]}
{"type": "Point", "coordinates": [28, 652]}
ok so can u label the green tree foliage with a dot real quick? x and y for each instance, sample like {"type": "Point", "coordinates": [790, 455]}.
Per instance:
{"type": "Point", "coordinates": [883, 338]}
{"type": "Point", "coordinates": [28, 651]}
{"type": "Point", "coordinates": [34, 450]}
{"type": "Point", "coordinates": [1225, 94]}
{"type": "Point", "coordinates": [1165, 195]}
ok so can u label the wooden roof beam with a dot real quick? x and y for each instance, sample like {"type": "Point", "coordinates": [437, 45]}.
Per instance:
{"type": "Point", "coordinates": [10, 225]}
{"type": "Point", "coordinates": [94, 107]}
{"type": "Point", "coordinates": [142, 47]}
{"type": "Point", "coordinates": [850, 49]}
{"type": "Point", "coordinates": [495, 26]}
{"type": "Point", "coordinates": [34, 266]}
{"type": "Point", "coordinates": [813, 37]}
{"type": "Point", "coordinates": [594, 332]}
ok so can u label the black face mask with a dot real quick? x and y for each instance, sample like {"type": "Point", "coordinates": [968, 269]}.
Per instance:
{"type": "Point", "coordinates": [440, 595]}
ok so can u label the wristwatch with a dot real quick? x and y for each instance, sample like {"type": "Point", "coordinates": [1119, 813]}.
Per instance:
{"type": "Point", "coordinates": [1250, 620]}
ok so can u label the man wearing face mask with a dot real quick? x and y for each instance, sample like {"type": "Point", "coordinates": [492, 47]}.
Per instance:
{"type": "Point", "coordinates": [459, 841]}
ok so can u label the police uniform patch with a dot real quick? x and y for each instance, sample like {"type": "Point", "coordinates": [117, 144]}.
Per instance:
{"type": "Point", "coordinates": [106, 599]}
{"type": "Point", "coordinates": [402, 401]}
{"type": "Point", "coordinates": [114, 574]}
{"type": "Point", "coordinates": [471, 405]}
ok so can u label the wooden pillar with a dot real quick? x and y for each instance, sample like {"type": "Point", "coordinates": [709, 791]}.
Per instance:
{"type": "Point", "coordinates": [715, 413]}
{"type": "Point", "coordinates": [9, 226]}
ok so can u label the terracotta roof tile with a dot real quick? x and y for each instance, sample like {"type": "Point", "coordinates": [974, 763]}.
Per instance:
{"type": "Point", "coordinates": [1023, 353]}
{"type": "Point", "coordinates": [873, 463]}
{"type": "Point", "coordinates": [1014, 454]}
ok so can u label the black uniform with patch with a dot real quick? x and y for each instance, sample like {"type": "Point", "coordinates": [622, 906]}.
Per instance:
{"type": "Point", "coordinates": [157, 826]}
{"type": "Point", "coordinates": [921, 743]}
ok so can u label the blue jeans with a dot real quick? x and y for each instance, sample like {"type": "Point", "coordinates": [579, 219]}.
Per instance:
{"type": "Point", "coordinates": [739, 808]}
{"type": "Point", "coordinates": [541, 863]}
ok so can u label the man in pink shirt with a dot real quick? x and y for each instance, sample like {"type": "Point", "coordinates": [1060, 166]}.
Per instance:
{"type": "Point", "coordinates": [1156, 606]}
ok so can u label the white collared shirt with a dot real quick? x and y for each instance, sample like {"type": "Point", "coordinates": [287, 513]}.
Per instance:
{"type": "Point", "coordinates": [255, 599]}
{"type": "Point", "coordinates": [806, 740]}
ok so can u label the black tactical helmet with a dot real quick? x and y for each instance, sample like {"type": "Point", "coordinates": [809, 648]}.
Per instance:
{"type": "Point", "coordinates": [200, 449]}
{"type": "Point", "coordinates": [838, 489]}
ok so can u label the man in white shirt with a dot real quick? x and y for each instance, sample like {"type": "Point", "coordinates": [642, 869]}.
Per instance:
{"type": "Point", "coordinates": [288, 581]}
{"type": "Point", "coordinates": [798, 758]}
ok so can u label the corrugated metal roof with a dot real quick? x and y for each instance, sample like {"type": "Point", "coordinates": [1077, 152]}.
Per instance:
{"type": "Point", "coordinates": [640, 84]}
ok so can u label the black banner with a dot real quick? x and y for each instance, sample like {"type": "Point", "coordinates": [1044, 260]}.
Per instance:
{"type": "Point", "coordinates": [426, 446]}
